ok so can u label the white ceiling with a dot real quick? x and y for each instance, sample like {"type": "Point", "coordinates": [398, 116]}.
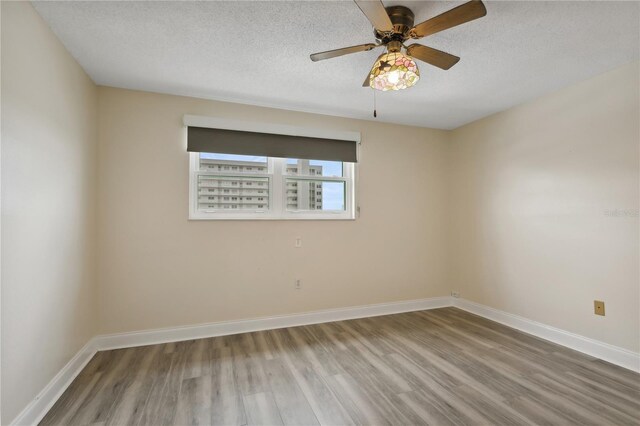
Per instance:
{"type": "Point", "coordinates": [258, 53]}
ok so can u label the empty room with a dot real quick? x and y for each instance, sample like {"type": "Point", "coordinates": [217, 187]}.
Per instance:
{"type": "Point", "coordinates": [354, 212]}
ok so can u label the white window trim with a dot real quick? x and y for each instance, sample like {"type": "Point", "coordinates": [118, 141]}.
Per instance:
{"type": "Point", "coordinates": [276, 168]}
{"type": "Point", "coordinates": [277, 208]}
{"type": "Point", "coordinates": [277, 172]}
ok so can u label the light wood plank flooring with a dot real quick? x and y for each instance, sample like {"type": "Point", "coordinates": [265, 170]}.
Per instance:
{"type": "Point", "coordinates": [440, 367]}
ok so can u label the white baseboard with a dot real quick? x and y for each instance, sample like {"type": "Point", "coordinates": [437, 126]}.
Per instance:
{"type": "Point", "coordinates": [36, 410]}
{"type": "Point", "coordinates": [38, 407]}
{"type": "Point", "coordinates": [175, 334]}
{"type": "Point", "coordinates": [613, 354]}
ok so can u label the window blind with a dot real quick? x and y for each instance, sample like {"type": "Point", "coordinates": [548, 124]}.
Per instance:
{"type": "Point", "coordinates": [223, 141]}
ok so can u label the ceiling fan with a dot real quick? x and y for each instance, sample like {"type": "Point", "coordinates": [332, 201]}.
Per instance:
{"type": "Point", "coordinates": [392, 27]}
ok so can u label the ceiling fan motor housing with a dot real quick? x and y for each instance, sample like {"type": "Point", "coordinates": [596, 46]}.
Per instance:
{"type": "Point", "coordinates": [402, 19]}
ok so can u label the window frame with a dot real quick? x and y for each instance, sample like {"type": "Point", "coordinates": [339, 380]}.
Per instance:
{"type": "Point", "coordinates": [277, 210]}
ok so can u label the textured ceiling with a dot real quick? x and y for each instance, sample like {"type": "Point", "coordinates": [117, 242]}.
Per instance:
{"type": "Point", "coordinates": [258, 53]}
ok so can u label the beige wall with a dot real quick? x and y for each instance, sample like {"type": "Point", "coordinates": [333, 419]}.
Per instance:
{"type": "Point", "coordinates": [531, 191]}
{"type": "Point", "coordinates": [514, 211]}
{"type": "Point", "coordinates": [49, 159]}
{"type": "Point", "coordinates": [158, 269]}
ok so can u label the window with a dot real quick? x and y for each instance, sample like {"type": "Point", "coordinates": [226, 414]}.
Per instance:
{"type": "Point", "coordinates": [243, 170]}
{"type": "Point", "coordinates": [313, 189]}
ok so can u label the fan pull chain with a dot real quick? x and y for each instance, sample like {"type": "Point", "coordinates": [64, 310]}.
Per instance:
{"type": "Point", "coordinates": [375, 113]}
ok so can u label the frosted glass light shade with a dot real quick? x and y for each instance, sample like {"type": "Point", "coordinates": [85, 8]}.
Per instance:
{"type": "Point", "coordinates": [393, 71]}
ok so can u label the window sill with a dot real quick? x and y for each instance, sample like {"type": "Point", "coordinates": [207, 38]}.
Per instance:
{"type": "Point", "coordinates": [263, 218]}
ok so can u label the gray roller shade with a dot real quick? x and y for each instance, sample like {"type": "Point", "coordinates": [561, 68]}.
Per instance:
{"type": "Point", "coordinates": [201, 139]}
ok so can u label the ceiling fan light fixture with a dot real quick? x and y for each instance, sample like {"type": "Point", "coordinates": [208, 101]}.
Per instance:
{"type": "Point", "coordinates": [393, 71]}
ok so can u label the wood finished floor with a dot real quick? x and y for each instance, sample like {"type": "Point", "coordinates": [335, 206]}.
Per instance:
{"type": "Point", "coordinates": [440, 367]}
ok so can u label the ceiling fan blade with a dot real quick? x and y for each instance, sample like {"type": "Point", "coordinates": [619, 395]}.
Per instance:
{"type": "Point", "coordinates": [432, 56]}
{"type": "Point", "coordinates": [376, 14]}
{"type": "Point", "coordinates": [366, 80]}
{"type": "Point", "coordinates": [344, 51]}
{"type": "Point", "coordinates": [458, 15]}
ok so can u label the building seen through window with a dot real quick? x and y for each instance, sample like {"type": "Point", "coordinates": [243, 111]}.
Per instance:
{"type": "Point", "coordinates": [245, 185]}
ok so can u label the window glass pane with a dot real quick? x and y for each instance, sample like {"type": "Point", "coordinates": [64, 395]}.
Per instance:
{"type": "Point", "coordinates": [314, 167]}
{"type": "Point", "coordinates": [229, 163]}
{"type": "Point", "coordinates": [315, 195]}
{"type": "Point", "coordinates": [232, 193]}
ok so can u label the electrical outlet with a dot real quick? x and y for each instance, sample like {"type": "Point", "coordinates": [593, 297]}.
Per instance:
{"type": "Point", "coordinates": [297, 284]}
{"type": "Point", "coordinates": [298, 243]}
{"type": "Point", "coordinates": [598, 307]}
{"type": "Point", "coordinates": [455, 294]}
